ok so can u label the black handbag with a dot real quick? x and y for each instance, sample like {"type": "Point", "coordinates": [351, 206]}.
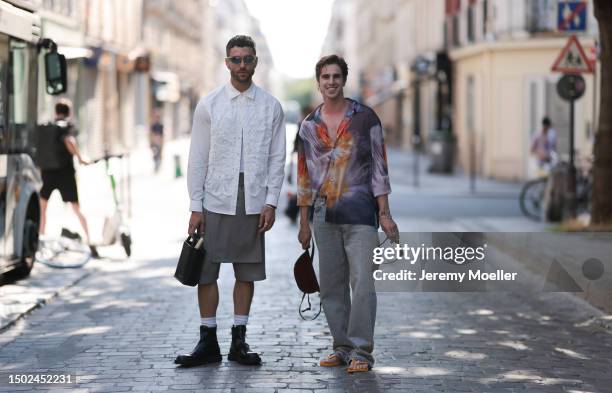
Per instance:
{"type": "Point", "coordinates": [191, 260]}
{"type": "Point", "coordinates": [306, 280]}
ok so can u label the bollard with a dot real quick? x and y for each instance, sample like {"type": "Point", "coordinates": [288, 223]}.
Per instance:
{"type": "Point", "coordinates": [177, 166]}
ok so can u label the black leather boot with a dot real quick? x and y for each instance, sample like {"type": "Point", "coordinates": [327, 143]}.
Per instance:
{"type": "Point", "coordinates": [239, 350]}
{"type": "Point", "coordinates": [206, 351]}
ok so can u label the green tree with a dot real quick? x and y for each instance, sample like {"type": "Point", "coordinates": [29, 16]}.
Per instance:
{"type": "Point", "coordinates": [300, 90]}
{"type": "Point", "coordinates": [601, 213]}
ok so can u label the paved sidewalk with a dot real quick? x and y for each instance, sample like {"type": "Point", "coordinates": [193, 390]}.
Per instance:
{"type": "Point", "coordinates": [445, 203]}
{"type": "Point", "coordinates": [401, 163]}
{"type": "Point", "coordinates": [45, 283]}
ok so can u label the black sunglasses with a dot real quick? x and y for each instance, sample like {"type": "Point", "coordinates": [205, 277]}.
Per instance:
{"type": "Point", "coordinates": [249, 59]}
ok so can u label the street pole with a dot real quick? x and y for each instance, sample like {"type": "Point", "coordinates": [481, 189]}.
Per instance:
{"type": "Point", "coordinates": [417, 146]}
{"type": "Point", "coordinates": [571, 186]}
{"type": "Point", "coordinates": [416, 131]}
{"type": "Point", "coordinates": [571, 87]}
{"type": "Point", "coordinates": [472, 162]}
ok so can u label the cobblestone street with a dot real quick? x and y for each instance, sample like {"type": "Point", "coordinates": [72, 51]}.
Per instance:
{"type": "Point", "coordinates": [474, 135]}
{"type": "Point", "coordinates": [120, 328]}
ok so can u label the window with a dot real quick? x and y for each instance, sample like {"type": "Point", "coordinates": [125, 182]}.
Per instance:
{"type": "Point", "coordinates": [485, 17]}
{"type": "Point", "coordinates": [446, 40]}
{"type": "Point", "coordinates": [22, 95]}
{"type": "Point", "coordinates": [3, 92]}
{"type": "Point", "coordinates": [471, 28]}
{"type": "Point", "coordinates": [538, 14]}
{"type": "Point", "coordinates": [455, 30]}
{"type": "Point", "coordinates": [470, 104]}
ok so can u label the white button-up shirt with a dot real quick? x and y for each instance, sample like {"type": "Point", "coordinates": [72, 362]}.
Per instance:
{"type": "Point", "coordinates": [230, 127]}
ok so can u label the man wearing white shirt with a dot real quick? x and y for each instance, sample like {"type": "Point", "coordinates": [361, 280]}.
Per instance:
{"type": "Point", "coordinates": [234, 177]}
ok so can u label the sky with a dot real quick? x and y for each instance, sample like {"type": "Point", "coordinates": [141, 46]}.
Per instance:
{"type": "Point", "coordinates": [295, 30]}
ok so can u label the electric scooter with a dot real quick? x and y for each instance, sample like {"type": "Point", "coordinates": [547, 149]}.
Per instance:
{"type": "Point", "coordinates": [115, 228]}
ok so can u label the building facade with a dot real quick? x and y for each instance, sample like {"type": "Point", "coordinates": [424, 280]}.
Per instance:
{"type": "Point", "coordinates": [99, 39]}
{"type": "Point", "coordinates": [126, 58]}
{"type": "Point", "coordinates": [341, 39]}
{"type": "Point", "coordinates": [172, 32]}
{"type": "Point", "coordinates": [229, 18]}
{"type": "Point", "coordinates": [478, 71]}
{"type": "Point", "coordinates": [502, 53]}
{"type": "Point", "coordinates": [392, 49]}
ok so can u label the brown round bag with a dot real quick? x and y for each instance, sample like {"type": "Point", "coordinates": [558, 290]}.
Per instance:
{"type": "Point", "coordinates": [306, 279]}
{"type": "Point", "coordinates": [304, 273]}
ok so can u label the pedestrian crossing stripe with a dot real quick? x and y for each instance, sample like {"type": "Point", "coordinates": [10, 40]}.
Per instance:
{"type": "Point", "coordinates": [573, 59]}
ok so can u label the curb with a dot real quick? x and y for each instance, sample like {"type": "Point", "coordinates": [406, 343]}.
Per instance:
{"type": "Point", "coordinates": [11, 321]}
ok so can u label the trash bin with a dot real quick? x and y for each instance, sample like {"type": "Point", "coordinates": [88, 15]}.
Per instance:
{"type": "Point", "coordinates": [441, 151]}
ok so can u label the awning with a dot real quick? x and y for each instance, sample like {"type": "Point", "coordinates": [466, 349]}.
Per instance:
{"type": "Point", "coordinates": [73, 52]}
{"type": "Point", "coordinates": [169, 86]}
{"type": "Point", "coordinates": [390, 92]}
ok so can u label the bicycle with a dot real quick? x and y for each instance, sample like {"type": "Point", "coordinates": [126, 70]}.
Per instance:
{"type": "Point", "coordinates": [531, 198]}
{"type": "Point", "coordinates": [542, 198]}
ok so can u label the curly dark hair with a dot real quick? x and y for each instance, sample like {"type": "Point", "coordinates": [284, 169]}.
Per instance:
{"type": "Point", "coordinates": [332, 59]}
{"type": "Point", "coordinates": [241, 41]}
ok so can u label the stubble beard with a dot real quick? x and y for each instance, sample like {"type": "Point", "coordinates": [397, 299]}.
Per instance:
{"type": "Point", "coordinates": [246, 79]}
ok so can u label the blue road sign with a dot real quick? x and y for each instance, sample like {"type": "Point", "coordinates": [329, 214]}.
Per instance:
{"type": "Point", "coordinates": [572, 16]}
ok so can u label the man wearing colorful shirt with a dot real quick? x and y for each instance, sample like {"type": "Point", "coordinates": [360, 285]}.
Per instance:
{"type": "Point", "coordinates": [342, 172]}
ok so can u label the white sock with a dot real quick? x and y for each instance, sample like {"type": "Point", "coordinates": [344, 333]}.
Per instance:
{"type": "Point", "coordinates": [240, 319]}
{"type": "Point", "coordinates": [209, 322]}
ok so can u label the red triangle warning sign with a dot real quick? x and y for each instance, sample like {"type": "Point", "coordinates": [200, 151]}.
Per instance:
{"type": "Point", "coordinates": [572, 59]}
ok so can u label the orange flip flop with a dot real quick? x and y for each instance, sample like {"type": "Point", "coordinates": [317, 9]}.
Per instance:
{"type": "Point", "coordinates": [358, 366]}
{"type": "Point", "coordinates": [331, 360]}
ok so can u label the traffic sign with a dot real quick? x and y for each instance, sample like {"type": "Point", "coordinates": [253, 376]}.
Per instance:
{"type": "Point", "coordinates": [573, 59]}
{"type": "Point", "coordinates": [572, 16]}
{"type": "Point", "coordinates": [571, 87]}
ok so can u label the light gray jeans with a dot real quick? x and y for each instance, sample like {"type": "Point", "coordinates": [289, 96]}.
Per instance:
{"type": "Point", "coordinates": [345, 258]}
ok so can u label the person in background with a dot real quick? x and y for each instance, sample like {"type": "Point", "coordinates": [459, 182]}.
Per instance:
{"type": "Point", "coordinates": [292, 210]}
{"type": "Point", "coordinates": [544, 143]}
{"type": "Point", "coordinates": [64, 178]}
{"type": "Point", "coordinates": [156, 138]}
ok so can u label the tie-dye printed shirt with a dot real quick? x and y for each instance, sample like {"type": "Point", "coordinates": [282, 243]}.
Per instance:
{"type": "Point", "coordinates": [357, 162]}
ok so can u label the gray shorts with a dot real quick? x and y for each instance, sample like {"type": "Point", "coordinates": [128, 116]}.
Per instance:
{"type": "Point", "coordinates": [242, 271]}
{"type": "Point", "coordinates": [234, 239]}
